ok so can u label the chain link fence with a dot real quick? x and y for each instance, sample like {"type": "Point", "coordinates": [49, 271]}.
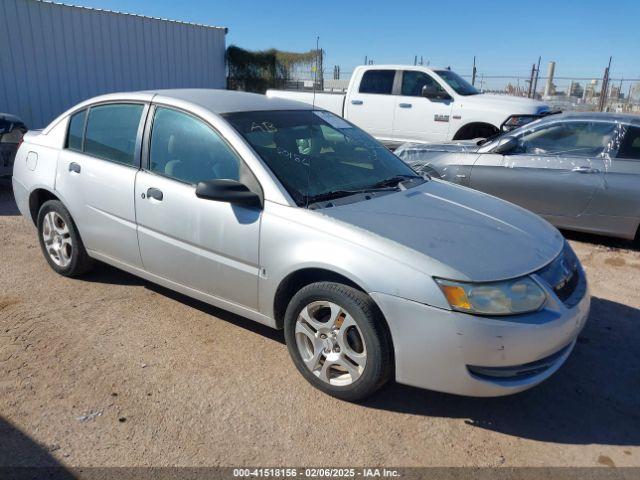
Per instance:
{"type": "Point", "coordinates": [579, 93]}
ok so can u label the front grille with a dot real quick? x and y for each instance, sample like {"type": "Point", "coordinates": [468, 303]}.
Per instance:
{"type": "Point", "coordinates": [565, 277]}
{"type": "Point", "coordinates": [518, 372]}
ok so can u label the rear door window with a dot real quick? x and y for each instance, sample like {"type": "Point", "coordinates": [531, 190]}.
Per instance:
{"type": "Point", "coordinates": [112, 131]}
{"type": "Point", "coordinates": [378, 81]}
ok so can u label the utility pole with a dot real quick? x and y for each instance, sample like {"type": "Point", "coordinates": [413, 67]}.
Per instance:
{"type": "Point", "coordinates": [535, 83]}
{"type": "Point", "coordinates": [533, 72]}
{"type": "Point", "coordinates": [366, 60]}
{"type": "Point", "coordinates": [415, 60]}
{"type": "Point", "coordinates": [473, 72]}
{"type": "Point", "coordinates": [605, 87]}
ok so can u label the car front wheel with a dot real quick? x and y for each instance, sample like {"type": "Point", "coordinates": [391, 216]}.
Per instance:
{"type": "Point", "coordinates": [338, 340]}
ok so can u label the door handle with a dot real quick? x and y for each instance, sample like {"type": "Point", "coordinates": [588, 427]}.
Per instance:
{"type": "Point", "coordinates": [74, 167]}
{"type": "Point", "coordinates": [356, 102]}
{"type": "Point", "coordinates": [404, 105]}
{"type": "Point", "coordinates": [155, 194]}
{"type": "Point", "coordinates": [585, 169]}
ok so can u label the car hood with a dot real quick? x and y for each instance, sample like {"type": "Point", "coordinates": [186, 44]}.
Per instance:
{"type": "Point", "coordinates": [464, 234]}
{"type": "Point", "coordinates": [515, 104]}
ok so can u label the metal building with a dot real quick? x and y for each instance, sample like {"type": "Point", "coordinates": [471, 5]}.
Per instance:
{"type": "Point", "coordinates": [54, 55]}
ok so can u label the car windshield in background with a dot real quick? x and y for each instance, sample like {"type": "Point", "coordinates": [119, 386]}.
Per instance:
{"type": "Point", "coordinates": [318, 156]}
{"type": "Point", "coordinates": [455, 81]}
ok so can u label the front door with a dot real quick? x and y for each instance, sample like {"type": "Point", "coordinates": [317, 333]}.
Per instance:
{"type": "Point", "coordinates": [203, 244]}
{"type": "Point", "coordinates": [555, 171]}
{"type": "Point", "coordinates": [418, 119]}
{"type": "Point", "coordinates": [96, 177]}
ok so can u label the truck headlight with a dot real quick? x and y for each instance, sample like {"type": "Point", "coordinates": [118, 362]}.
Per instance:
{"type": "Point", "coordinates": [509, 297]}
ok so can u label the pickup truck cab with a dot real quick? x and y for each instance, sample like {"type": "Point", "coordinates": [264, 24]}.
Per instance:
{"type": "Point", "coordinates": [400, 103]}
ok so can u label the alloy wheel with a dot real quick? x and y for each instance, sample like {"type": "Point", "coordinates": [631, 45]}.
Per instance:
{"type": "Point", "coordinates": [57, 239]}
{"type": "Point", "coordinates": [330, 343]}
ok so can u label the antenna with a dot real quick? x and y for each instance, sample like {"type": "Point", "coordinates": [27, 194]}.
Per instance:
{"type": "Point", "coordinates": [315, 79]}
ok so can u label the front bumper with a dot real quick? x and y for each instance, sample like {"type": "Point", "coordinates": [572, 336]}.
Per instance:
{"type": "Point", "coordinates": [464, 354]}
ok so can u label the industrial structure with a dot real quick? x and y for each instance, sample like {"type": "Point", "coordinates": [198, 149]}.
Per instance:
{"type": "Point", "coordinates": [55, 55]}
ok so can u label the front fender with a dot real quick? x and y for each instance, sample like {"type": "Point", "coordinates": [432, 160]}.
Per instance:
{"type": "Point", "coordinates": [293, 239]}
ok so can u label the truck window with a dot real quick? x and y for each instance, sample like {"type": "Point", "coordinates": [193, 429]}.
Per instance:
{"type": "Point", "coordinates": [377, 81]}
{"type": "Point", "coordinates": [413, 82]}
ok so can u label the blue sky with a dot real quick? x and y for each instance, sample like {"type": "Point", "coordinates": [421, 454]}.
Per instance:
{"type": "Point", "coordinates": [506, 36]}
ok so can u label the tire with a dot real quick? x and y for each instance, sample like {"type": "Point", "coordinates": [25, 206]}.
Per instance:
{"type": "Point", "coordinates": [476, 131]}
{"type": "Point", "coordinates": [355, 358]}
{"type": "Point", "coordinates": [60, 241]}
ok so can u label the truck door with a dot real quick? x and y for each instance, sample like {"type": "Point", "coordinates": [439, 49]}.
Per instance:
{"type": "Point", "coordinates": [417, 118]}
{"type": "Point", "coordinates": [372, 106]}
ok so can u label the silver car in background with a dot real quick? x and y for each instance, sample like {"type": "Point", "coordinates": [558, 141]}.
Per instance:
{"type": "Point", "coordinates": [296, 219]}
{"type": "Point", "coordinates": [580, 171]}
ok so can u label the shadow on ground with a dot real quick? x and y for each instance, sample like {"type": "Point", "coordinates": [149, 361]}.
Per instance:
{"type": "Point", "coordinates": [594, 398]}
{"type": "Point", "coordinates": [103, 273]}
{"type": "Point", "coordinates": [609, 242]}
{"type": "Point", "coordinates": [18, 451]}
{"type": "Point", "coordinates": [7, 204]}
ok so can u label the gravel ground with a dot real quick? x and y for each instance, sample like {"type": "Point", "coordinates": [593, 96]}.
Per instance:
{"type": "Point", "coordinates": [113, 371]}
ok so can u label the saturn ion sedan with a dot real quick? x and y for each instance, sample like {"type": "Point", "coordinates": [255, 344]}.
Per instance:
{"type": "Point", "coordinates": [297, 219]}
{"type": "Point", "coordinates": [580, 171]}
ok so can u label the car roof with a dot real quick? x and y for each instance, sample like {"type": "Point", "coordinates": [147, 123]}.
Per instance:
{"type": "Point", "coordinates": [626, 118]}
{"type": "Point", "coordinates": [228, 101]}
{"type": "Point", "coordinates": [10, 118]}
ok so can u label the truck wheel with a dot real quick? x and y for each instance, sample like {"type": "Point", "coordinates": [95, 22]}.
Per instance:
{"type": "Point", "coordinates": [60, 242]}
{"type": "Point", "coordinates": [338, 340]}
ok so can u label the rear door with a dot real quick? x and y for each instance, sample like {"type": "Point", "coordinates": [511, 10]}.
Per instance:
{"type": "Point", "coordinates": [373, 106]}
{"type": "Point", "coordinates": [206, 245]}
{"type": "Point", "coordinates": [555, 171]}
{"type": "Point", "coordinates": [616, 208]}
{"type": "Point", "coordinates": [96, 177]}
{"type": "Point", "coordinates": [417, 118]}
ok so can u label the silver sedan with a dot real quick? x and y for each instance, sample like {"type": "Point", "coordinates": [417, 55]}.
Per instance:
{"type": "Point", "coordinates": [580, 171]}
{"type": "Point", "coordinates": [299, 220]}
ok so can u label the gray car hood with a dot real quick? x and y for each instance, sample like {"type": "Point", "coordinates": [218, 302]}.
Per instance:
{"type": "Point", "coordinates": [467, 234]}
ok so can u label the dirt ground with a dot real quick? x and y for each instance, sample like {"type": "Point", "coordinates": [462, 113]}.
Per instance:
{"type": "Point", "coordinates": [113, 371]}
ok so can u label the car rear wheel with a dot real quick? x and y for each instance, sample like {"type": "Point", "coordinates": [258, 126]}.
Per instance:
{"type": "Point", "coordinates": [338, 340]}
{"type": "Point", "coordinates": [60, 242]}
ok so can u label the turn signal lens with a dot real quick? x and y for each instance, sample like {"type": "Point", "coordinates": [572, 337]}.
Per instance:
{"type": "Point", "coordinates": [456, 296]}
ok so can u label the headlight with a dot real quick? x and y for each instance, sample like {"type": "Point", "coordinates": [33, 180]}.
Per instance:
{"type": "Point", "coordinates": [510, 297]}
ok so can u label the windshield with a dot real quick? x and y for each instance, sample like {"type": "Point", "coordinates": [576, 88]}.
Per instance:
{"type": "Point", "coordinates": [317, 155]}
{"type": "Point", "coordinates": [455, 81]}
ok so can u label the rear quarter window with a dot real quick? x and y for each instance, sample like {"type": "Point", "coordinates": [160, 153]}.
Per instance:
{"type": "Point", "coordinates": [76, 130]}
{"type": "Point", "coordinates": [630, 146]}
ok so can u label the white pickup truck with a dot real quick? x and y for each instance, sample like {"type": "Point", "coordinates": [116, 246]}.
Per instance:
{"type": "Point", "coordinates": [399, 103]}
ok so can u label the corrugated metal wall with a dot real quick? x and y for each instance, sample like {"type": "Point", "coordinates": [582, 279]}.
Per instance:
{"type": "Point", "coordinates": [52, 56]}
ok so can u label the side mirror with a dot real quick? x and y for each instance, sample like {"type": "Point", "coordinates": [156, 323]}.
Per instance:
{"type": "Point", "coordinates": [506, 145]}
{"type": "Point", "coordinates": [230, 191]}
{"type": "Point", "coordinates": [433, 93]}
